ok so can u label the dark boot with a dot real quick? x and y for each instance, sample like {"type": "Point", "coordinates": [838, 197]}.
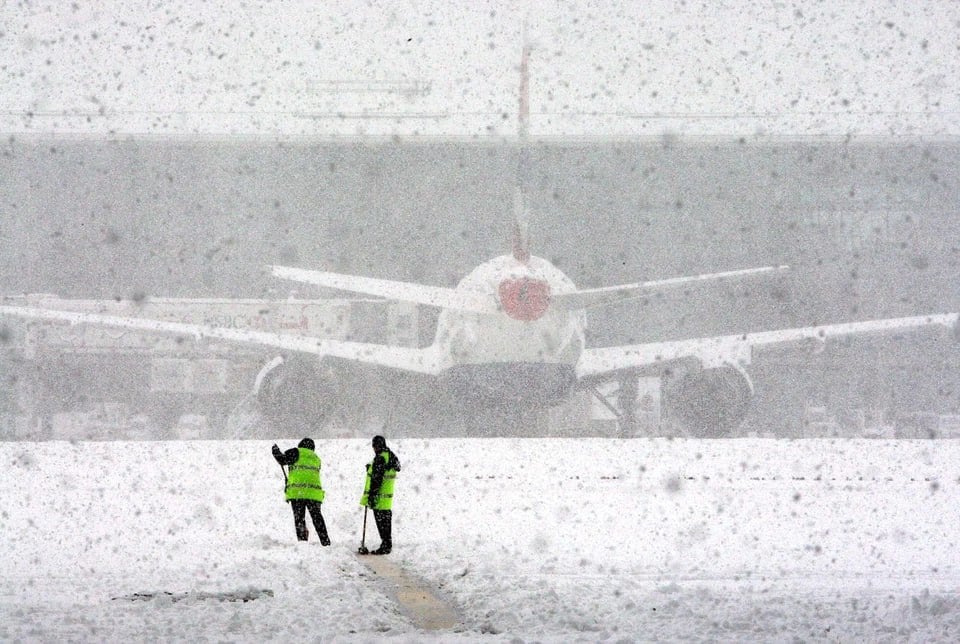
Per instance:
{"type": "Point", "coordinates": [384, 519]}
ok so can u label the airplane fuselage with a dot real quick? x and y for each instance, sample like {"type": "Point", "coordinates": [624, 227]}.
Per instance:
{"type": "Point", "coordinates": [527, 350]}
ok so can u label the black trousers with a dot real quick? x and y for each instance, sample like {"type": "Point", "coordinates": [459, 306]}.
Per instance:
{"type": "Point", "coordinates": [300, 507]}
{"type": "Point", "coordinates": [384, 519]}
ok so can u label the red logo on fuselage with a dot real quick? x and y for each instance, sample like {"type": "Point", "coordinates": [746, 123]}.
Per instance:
{"type": "Point", "coordinates": [524, 298]}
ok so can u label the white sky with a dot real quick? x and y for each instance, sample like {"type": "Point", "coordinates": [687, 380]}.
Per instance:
{"type": "Point", "coordinates": [305, 68]}
{"type": "Point", "coordinates": [549, 540]}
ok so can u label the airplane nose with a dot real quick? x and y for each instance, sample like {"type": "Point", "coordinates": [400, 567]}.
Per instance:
{"type": "Point", "coordinates": [524, 298]}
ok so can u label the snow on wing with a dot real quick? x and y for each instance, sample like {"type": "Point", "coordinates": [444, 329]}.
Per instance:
{"type": "Point", "coordinates": [589, 298]}
{"type": "Point", "coordinates": [447, 298]}
{"type": "Point", "coordinates": [404, 358]}
{"type": "Point", "coordinates": [736, 348]}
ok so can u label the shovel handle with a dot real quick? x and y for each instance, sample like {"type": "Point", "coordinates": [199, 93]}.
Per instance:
{"type": "Point", "coordinates": [363, 539]}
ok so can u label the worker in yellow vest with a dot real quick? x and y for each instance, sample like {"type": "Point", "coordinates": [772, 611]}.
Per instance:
{"type": "Point", "coordinates": [378, 491]}
{"type": "Point", "coordinates": [303, 489]}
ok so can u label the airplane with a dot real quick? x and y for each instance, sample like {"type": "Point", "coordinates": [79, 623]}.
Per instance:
{"type": "Point", "coordinates": [512, 333]}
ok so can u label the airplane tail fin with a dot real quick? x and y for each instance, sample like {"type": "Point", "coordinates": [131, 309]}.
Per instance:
{"type": "Point", "coordinates": [523, 121]}
{"type": "Point", "coordinates": [521, 240]}
{"type": "Point", "coordinates": [521, 237]}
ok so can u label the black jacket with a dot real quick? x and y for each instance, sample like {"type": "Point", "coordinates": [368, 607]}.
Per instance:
{"type": "Point", "coordinates": [288, 457]}
{"type": "Point", "coordinates": [379, 469]}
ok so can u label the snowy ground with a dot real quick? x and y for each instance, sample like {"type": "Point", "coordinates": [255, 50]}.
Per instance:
{"type": "Point", "coordinates": [552, 540]}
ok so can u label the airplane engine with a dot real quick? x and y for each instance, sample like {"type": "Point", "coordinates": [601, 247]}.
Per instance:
{"type": "Point", "coordinates": [295, 395]}
{"type": "Point", "coordinates": [710, 402]}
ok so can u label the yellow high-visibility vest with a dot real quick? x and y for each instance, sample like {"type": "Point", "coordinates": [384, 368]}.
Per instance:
{"type": "Point", "coordinates": [303, 481]}
{"type": "Point", "coordinates": [385, 496]}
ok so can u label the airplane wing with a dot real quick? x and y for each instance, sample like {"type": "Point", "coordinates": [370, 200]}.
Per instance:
{"type": "Point", "coordinates": [402, 358]}
{"type": "Point", "coordinates": [587, 298]}
{"type": "Point", "coordinates": [447, 298]}
{"type": "Point", "coordinates": [486, 303]}
{"type": "Point", "coordinates": [714, 351]}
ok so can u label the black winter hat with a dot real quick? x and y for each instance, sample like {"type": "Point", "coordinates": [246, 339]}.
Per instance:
{"type": "Point", "coordinates": [307, 443]}
{"type": "Point", "coordinates": [379, 442]}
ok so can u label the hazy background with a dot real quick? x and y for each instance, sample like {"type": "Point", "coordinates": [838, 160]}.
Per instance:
{"type": "Point", "coordinates": [869, 229]}
{"type": "Point", "coordinates": [174, 150]}
{"type": "Point", "coordinates": [301, 68]}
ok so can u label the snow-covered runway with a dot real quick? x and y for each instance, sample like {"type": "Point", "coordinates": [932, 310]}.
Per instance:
{"type": "Point", "coordinates": [536, 539]}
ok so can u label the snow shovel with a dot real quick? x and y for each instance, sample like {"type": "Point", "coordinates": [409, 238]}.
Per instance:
{"type": "Point", "coordinates": [363, 540]}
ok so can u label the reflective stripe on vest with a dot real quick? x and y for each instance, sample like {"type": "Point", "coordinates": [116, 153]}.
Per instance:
{"type": "Point", "coordinates": [385, 497]}
{"type": "Point", "coordinates": [303, 480]}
